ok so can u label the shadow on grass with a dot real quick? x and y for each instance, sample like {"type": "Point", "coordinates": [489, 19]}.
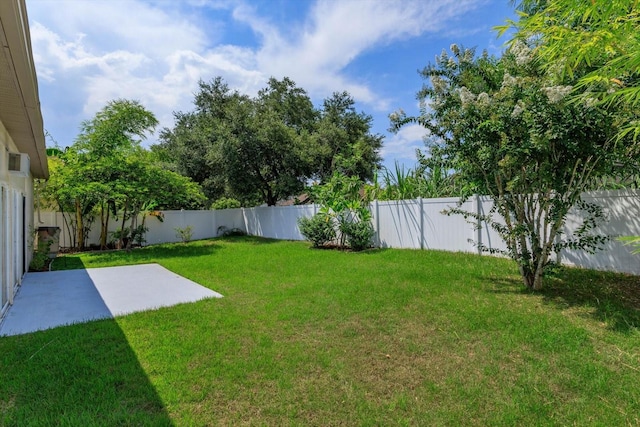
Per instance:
{"type": "Point", "coordinates": [147, 254]}
{"type": "Point", "coordinates": [85, 374]}
{"type": "Point", "coordinates": [153, 253]}
{"type": "Point", "coordinates": [67, 262]}
{"type": "Point", "coordinates": [346, 249]}
{"type": "Point", "coordinates": [255, 240]}
{"type": "Point", "coordinates": [612, 298]}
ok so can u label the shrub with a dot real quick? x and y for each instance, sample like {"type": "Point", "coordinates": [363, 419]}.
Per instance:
{"type": "Point", "coordinates": [185, 234]}
{"type": "Point", "coordinates": [119, 236]}
{"type": "Point", "coordinates": [40, 255]}
{"type": "Point", "coordinates": [230, 232]}
{"type": "Point", "coordinates": [226, 203]}
{"type": "Point", "coordinates": [318, 229]}
{"type": "Point", "coordinates": [137, 235]}
{"type": "Point", "coordinates": [358, 234]}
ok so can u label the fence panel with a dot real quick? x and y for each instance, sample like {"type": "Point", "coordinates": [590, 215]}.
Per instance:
{"type": "Point", "coordinates": [277, 222]}
{"type": "Point", "coordinates": [420, 224]}
{"type": "Point", "coordinates": [487, 235]}
{"type": "Point", "coordinates": [411, 224]}
{"type": "Point", "coordinates": [228, 219]}
{"type": "Point", "coordinates": [165, 231]}
{"type": "Point", "coordinates": [204, 224]}
{"type": "Point", "coordinates": [397, 224]}
{"type": "Point", "coordinates": [622, 208]}
{"type": "Point", "coordinates": [448, 233]}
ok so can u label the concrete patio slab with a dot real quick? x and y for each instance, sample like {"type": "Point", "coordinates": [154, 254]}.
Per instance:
{"type": "Point", "coordinates": [56, 298]}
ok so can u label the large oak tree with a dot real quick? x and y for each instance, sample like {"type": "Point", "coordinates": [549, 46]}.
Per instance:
{"type": "Point", "coordinates": [266, 148]}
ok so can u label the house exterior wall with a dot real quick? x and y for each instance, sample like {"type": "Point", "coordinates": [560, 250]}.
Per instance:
{"type": "Point", "coordinates": [16, 222]}
{"type": "Point", "coordinates": [21, 132]}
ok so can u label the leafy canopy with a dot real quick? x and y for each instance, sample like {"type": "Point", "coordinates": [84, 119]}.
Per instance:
{"type": "Point", "coordinates": [509, 131]}
{"type": "Point", "coordinates": [602, 37]}
{"type": "Point", "coordinates": [266, 148]}
{"type": "Point", "coordinates": [106, 172]}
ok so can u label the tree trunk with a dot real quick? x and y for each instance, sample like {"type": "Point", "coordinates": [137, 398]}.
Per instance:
{"type": "Point", "coordinates": [69, 225]}
{"type": "Point", "coordinates": [144, 218]}
{"type": "Point", "coordinates": [271, 200]}
{"type": "Point", "coordinates": [79, 225]}
{"type": "Point", "coordinates": [532, 279]}
{"type": "Point", "coordinates": [132, 227]}
{"type": "Point", "coordinates": [124, 216]}
{"type": "Point", "coordinates": [104, 221]}
{"type": "Point", "coordinates": [537, 282]}
{"type": "Point", "coordinates": [528, 277]}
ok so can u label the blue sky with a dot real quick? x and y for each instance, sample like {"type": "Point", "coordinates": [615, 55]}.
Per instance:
{"type": "Point", "coordinates": [90, 52]}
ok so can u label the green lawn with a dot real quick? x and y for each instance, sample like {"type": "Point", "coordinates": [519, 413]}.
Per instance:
{"type": "Point", "coordinates": [317, 337]}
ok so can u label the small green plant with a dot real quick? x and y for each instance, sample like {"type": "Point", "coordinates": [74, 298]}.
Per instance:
{"type": "Point", "coordinates": [359, 235]}
{"type": "Point", "coordinates": [41, 255]}
{"type": "Point", "coordinates": [319, 229]}
{"type": "Point", "coordinates": [119, 238]}
{"type": "Point", "coordinates": [226, 203]}
{"type": "Point", "coordinates": [342, 201]}
{"type": "Point", "coordinates": [185, 234]}
{"type": "Point", "coordinates": [137, 235]}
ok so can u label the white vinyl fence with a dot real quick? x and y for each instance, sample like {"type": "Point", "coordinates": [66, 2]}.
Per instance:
{"type": "Point", "coordinates": [412, 224]}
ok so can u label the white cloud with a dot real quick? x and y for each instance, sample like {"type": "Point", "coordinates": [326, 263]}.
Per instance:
{"type": "Point", "coordinates": [128, 50]}
{"type": "Point", "coordinates": [156, 51]}
{"type": "Point", "coordinates": [155, 28]}
{"type": "Point", "coordinates": [403, 144]}
{"type": "Point", "coordinates": [336, 32]}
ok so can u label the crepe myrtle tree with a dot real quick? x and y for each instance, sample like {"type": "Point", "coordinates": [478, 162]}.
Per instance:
{"type": "Point", "coordinates": [507, 129]}
{"type": "Point", "coordinates": [601, 36]}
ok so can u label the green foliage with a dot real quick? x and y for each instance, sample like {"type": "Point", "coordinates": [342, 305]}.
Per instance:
{"type": "Point", "coordinates": [359, 234]}
{"type": "Point", "coordinates": [600, 36]}
{"type": "Point", "coordinates": [319, 229]}
{"type": "Point", "coordinates": [107, 174]}
{"type": "Point", "coordinates": [114, 129]}
{"type": "Point", "coordinates": [430, 179]}
{"type": "Point", "coordinates": [121, 237]}
{"type": "Point", "coordinates": [184, 234]}
{"type": "Point", "coordinates": [40, 255]}
{"type": "Point", "coordinates": [137, 235]}
{"type": "Point", "coordinates": [264, 149]}
{"type": "Point", "coordinates": [511, 132]}
{"type": "Point", "coordinates": [343, 200]}
{"type": "Point", "coordinates": [342, 141]}
{"type": "Point", "coordinates": [631, 241]}
{"type": "Point", "coordinates": [226, 203]}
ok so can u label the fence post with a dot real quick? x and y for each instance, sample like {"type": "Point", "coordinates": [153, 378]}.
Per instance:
{"type": "Point", "coordinates": [377, 210]}
{"type": "Point", "coordinates": [214, 228]}
{"type": "Point", "coordinates": [244, 219]}
{"type": "Point", "coordinates": [479, 224]}
{"type": "Point", "coordinates": [421, 211]}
